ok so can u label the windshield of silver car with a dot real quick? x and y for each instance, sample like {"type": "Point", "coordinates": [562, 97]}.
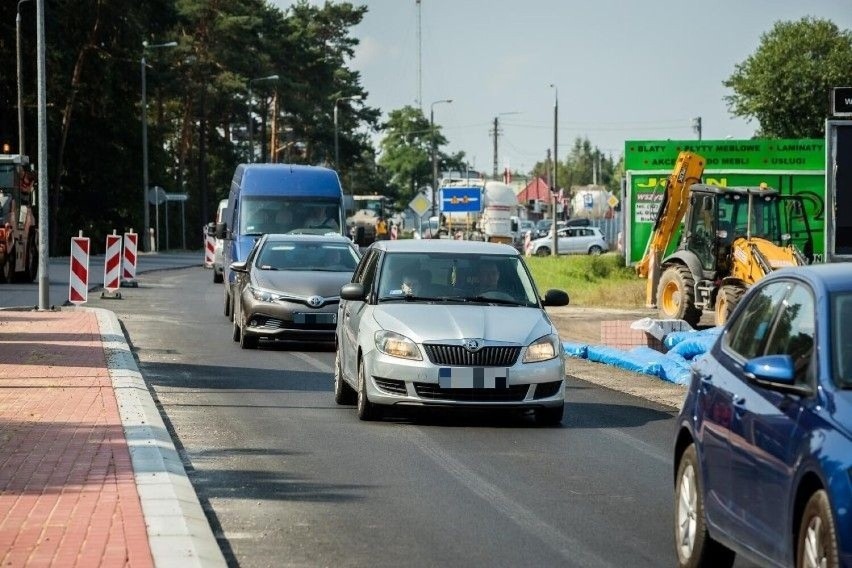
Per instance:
{"type": "Point", "coordinates": [468, 278]}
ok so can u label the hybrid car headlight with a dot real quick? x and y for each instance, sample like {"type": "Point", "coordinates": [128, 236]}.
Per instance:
{"type": "Point", "coordinates": [542, 349]}
{"type": "Point", "coordinates": [262, 295]}
{"type": "Point", "coordinates": [397, 345]}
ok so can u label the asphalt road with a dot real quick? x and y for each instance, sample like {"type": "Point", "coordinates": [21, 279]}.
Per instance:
{"type": "Point", "coordinates": [288, 478]}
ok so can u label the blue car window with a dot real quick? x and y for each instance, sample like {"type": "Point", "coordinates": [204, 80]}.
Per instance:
{"type": "Point", "coordinates": [747, 334]}
{"type": "Point", "coordinates": [793, 333]}
{"type": "Point", "coordinates": [841, 315]}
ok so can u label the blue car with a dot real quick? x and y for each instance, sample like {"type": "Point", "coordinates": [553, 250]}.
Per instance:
{"type": "Point", "coordinates": [763, 451]}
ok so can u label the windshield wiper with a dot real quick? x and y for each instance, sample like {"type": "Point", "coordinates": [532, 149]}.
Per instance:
{"type": "Point", "coordinates": [490, 300]}
{"type": "Point", "coordinates": [252, 234]}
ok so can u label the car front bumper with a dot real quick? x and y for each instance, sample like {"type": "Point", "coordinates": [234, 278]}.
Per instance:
{"type": "Point", "coordinates": [404, 382]}
{"type": "Point", "coordinates": [288, 320]}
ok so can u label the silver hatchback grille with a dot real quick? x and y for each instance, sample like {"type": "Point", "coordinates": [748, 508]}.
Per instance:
{"type": "Point", "coordinates": [458, 356]}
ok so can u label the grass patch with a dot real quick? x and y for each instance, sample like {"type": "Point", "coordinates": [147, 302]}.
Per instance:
{"type": "Point", "coordinates": [592, 281]}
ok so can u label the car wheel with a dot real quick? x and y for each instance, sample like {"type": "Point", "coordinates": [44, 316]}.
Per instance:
{"type": "Point", "coordinates": [817, 546]}
{"type": "Point", "coordinates": [550, 415]}
{"type": "Point", "coordinates": [246, 341]}
{"type": "Point", "coordinates": [343, 393]}
{"type": "Point", "coordinates": [218, 277]}
{"type": "Point", "coordinates": [235, 334]}
{"type": "Point", "coordinates": [542, 251]}
{"type": "Point", "coordinates": [366, 409]}
{"type": "Point", "coordinates": [595, 250]}
{"type": "Point", "coordinates": [231, 307]}
{"type": "Point", "coordinates": [695, 547]}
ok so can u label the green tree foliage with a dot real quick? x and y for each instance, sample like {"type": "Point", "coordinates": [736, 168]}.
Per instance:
{"type": "Point", "coordinates": [579, 165]}
{"type": "Point", "coordinates": [406, 152]}
{"type": "Point", "coordinates": [197, 101]}
{"type": "Point", "coordinates": [785, 84]}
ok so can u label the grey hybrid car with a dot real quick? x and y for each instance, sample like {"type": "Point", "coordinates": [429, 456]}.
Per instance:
{"type": "Point", "coordinates": [289, 287]}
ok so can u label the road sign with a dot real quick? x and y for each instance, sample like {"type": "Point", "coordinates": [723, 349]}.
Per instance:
{"type": "Point", "coordinates": [156, 196]}
{"type": "Point", "coordinates": [461, 200]}
{"type": "Point", "coordinates": [612, 201]}
{"type": "Point", "coordinates": [841, 101]}
{"type": "Point", "coordinates": [420, 204]}
{"type": "Point", "coordinates": [177, 196]}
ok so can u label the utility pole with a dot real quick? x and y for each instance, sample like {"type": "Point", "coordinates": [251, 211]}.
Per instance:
{"type": "Point", "coordinates": [696, 126]}
{"type": "Point", "coordinates": [555, 187]}
{"type": "Point", "coordinates": [419, 60]}
{"type": "Point", "coordinates": [41, 81]}
{"type": "Point", "coordinates": [494, 174]}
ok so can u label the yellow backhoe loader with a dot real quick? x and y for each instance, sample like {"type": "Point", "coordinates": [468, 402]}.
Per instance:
{"type": "Point", "coordinates": [731, 238]}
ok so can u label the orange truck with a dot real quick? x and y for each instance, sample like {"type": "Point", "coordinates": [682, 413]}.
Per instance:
{"type": "Point", "coordinates": [18, 228]}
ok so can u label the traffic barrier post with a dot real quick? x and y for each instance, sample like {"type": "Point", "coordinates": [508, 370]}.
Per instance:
{"type": "Point", "coordinates": [209, 249]}
{"type": "Point", "coordinates": [128, 272]}
{"type": "Point", "coordinates": [112, 267]}
{"type": "Point", "coordinates": [78, 281]}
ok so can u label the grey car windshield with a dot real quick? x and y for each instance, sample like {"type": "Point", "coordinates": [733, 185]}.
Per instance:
{"type": "Point", "coordinates": [841, 314]}
{"type": "Point", "coordinates": [260, 215]}
{"type": "Point", "coordinates": [487, 278]}
{"type": "Point", "coordinates": [317, 256]}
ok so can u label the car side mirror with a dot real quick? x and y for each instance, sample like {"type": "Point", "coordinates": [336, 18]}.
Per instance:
{"type": "Point", "coordinates": [555, 297]}
{"type": "Point", "coordinates": [210, 228]}
{"type": "Point", "coordinates": [221, 230]}
{"type": "Point", "coordinates": [239, 266]}
{"type": "Point", "coordinates": [353, 291]}
{"type": "Point", "coordinates": [771, 368]}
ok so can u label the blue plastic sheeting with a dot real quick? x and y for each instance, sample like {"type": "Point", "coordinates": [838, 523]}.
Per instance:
{"type": "Point", "coordinates": [694, 346]}
{"type": "Point", "coordinates": [672, 367]}
{"type": "Point", "coordinates": [676, 337]}
{"type": "Point", "coordinates": [577, 350]}
{"type": "Point", "coordinates": [640, 363]}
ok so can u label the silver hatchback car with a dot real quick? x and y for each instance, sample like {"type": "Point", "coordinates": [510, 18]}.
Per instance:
{"type": "Point", "coordinates": [447, 323]}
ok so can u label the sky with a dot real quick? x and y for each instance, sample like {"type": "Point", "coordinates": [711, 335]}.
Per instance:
{"type": "Point", "coordinates": [622, 69]}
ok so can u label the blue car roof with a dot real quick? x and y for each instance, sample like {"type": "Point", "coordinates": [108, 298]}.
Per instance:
{"type": "Point", "coordinates": [289, 179]}
{"type": "Point", "coordinates": [833, 277]}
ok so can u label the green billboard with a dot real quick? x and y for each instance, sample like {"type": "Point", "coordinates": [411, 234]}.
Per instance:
{"type": "Point", "coordinates": [794, 167]}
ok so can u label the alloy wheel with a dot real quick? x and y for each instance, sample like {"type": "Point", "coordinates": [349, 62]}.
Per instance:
{"type": "Point", "coordinates": [687, 512]}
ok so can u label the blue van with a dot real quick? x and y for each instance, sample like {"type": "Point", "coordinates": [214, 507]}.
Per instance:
{"type": "Point", "coordinates": [277, 198]}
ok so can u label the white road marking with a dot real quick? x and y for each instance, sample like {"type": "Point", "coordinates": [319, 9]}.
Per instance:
{"type": "Point", "coordinates": [314, 362]}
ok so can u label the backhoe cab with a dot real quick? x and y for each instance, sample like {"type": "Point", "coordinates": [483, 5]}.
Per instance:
{"type": "Point", "coordinates": [731, 238]}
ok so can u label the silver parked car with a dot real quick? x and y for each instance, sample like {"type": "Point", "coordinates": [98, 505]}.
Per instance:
{"type": "Point", "coordinates": [289, 285]}
{"type": "Point", "coordinates": [447, 323]}
{"type": "Point", "coordinates": [573, 240]}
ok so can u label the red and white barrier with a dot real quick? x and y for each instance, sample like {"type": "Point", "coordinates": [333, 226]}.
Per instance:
{"type": "Point", "coordinates": [78, 281]}
{"type": "Point", "coordinates": [129, 267]}
{"type": "Point", "coordinates": [209, 248]}
{"type": "Point", "coordinates": [112, 263]}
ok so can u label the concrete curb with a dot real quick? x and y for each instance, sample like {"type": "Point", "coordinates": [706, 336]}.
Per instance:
{"type": "Point", "coordinates": [178, 531]}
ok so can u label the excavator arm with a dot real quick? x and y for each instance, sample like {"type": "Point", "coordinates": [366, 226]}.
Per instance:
{"type": "Point", "coordinates": [687, 171]}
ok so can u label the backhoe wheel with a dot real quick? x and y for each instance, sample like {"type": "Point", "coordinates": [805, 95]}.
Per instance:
{"type": "Point", "coordinates": [726, 300]}
{"type": "Point", "coordinates": [676, 295]}
{"type": "Point", "coordinates": [7, 268]}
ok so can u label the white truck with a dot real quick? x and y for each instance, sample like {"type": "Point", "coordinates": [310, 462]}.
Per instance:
{"type": "Point", "coordinates": [500, 205]}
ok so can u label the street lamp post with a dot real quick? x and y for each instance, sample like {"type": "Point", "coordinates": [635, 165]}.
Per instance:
{"type": "Point", "coordinates": [555, 186]}
{"type": "Point", "coordinates": [434, 152]}
{"type": "Point", "coordinates": [496, 131]}
{"type": "Point", "coordinates": [336, 142]}
{"type": "Point", "coordinates": [250, 120]}
{"type": "Point", "coordinates": [20, 81]}
{"type": "Point", "coordinates": [146, 244]}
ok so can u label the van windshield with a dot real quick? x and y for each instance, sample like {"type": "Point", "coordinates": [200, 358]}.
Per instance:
{"type": "Point", "coordinates": [260, 215]}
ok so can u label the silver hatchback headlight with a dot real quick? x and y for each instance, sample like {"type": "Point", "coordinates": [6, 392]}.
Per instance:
{"type": "Point", "coordinates": [542, 349]}
{"type": "Point", "coordinates": [396, 345]}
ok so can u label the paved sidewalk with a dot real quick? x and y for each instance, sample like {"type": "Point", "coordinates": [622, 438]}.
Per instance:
{"type": "Point", "coordinates": [88, 474]}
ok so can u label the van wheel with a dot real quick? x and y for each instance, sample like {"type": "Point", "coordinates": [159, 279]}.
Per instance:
{"type": "Point", "coordinates": [695, 547]}
{"type": "Point", "coordinates": [542, 251]}
{"type": "Point", "coordinates": [218, 277]}
{"type": "Point", "coordinates": [817, 542]}
{"type": "Point", "coordinates": [227, 305]}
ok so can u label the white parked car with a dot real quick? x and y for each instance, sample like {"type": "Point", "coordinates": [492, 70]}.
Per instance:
{"type": "Point", "coordinates": [573, 240]}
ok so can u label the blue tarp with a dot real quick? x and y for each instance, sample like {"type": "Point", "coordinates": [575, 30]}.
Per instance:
{"type": "Point", "coordinates": [577, 350]}
{"type": "Point", "coordinates": [677, 337]}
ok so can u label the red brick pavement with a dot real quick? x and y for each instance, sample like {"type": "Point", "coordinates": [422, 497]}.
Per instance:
{"type": "Point", "coordinates": [67, 492]}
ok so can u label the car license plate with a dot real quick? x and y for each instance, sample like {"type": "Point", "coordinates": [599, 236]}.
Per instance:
{"type": "Point", "coordinates": [473, 377]}
{"type": "Point", "coordinates": [321, 318]}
